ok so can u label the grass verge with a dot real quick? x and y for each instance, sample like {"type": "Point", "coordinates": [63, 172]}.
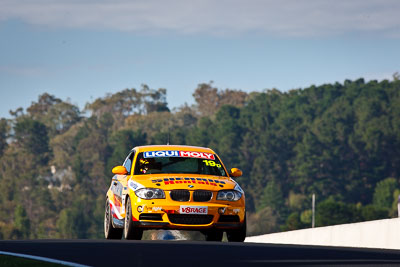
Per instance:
{"type": "Point", "coordinates": [11, 261]}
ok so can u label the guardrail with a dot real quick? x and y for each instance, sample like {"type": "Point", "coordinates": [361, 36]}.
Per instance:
{"type": "Point", "coordinates": [371, 234]}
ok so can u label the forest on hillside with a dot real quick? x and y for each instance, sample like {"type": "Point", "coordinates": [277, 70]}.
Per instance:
{"type": "Point", "coordinates": [338, 141]}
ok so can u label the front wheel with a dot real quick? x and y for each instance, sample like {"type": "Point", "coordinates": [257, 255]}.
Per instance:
{"type": "Point", "coordinates": [109, 231]}
{"type": "Point", "coordinates": [237, 235]}
{"type": "Point", "coordinates": [130, 231]}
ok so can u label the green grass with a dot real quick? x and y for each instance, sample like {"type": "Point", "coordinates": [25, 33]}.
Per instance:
{"type": "Point", "coordinates": [11, 261]}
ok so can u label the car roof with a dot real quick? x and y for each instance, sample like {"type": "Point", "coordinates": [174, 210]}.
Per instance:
{"type": "Point", "coordinates": [173, 147]}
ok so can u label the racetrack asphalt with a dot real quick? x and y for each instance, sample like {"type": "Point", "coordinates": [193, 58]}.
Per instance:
{"type": "Point", "coordinates": [196, 253]}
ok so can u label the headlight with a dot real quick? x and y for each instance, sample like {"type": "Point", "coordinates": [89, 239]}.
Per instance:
{"type": "Point", "coordinates": [238, 188]}
{"type": "Point", "coordinates": [150, 193]}
{"type": "Point", "coordinates": [229, 195]}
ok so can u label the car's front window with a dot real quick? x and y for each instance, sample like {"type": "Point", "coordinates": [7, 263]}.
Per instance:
{"type": "Point", "coordinates": [153, 162]}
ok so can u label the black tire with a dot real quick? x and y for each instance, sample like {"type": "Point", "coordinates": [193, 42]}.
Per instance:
{"type": "Point", "coordinates": [109, 231]}
{"type": "Point", "coordinates": [237, 235]}
{"type": "Point", "coordinates": [214, 235]}
{"type": "Point", "coordinates": [130, 231]}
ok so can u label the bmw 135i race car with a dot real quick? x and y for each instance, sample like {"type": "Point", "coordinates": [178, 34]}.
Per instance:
{"type": "Point", "coordinates": [174, 187]}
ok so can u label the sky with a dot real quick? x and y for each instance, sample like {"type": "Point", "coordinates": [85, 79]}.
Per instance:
{"type": "Point", "coordinates": [81, 50]}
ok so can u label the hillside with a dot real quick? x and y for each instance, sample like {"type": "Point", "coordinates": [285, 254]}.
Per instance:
{"type": "Point", "coordinates": [340, 142]}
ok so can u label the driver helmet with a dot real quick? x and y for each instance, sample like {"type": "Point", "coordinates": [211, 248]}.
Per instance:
{"type": "Point", "coordinates": [146, 164]}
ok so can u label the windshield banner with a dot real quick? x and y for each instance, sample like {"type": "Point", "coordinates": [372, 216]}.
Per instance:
{"type": "Point", "coordinates": [177, 153]}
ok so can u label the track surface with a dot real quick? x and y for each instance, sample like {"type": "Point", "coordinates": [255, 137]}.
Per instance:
{"type": "Point", "coordinates": [205, 254]}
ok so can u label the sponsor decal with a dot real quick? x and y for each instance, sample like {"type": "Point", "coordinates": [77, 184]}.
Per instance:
{"type": "Point", "coordinates": [211, 163]}
{"type": "Point", "coordinates": [156, 208]}
{"type": "Point", "coordinates": [170, 181]}
{"type": "Point", "coordinates": [123, 204]}
{"type": "Point", "coordinates": [178, 153]}
{"type": "Point", "coordinates": [193, 210]}
{"type": "Point", "coordinates": [114, 210]}
{"type": "Point", "coordinates": [134, 185]}
{"type": "Point", "coordinates": [117, 189]}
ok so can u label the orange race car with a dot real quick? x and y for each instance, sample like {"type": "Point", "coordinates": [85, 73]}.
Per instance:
{"type": "Point", "coordinates": [174, 187]}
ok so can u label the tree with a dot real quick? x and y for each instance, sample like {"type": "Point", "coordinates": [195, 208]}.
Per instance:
{"type": "Point", "coordinates": [262, 222]}
{"type": "Point", "coordinates": [396, 76]}
{"type": "Point", "coordinates": [293, 222]}
{"type": "Point", "coordinates": [202, 133]}
{"type": "Point", "coordinates": [72, 223]}
{"type": "Point", "coordinates": [273, 197]}
{"type": "Point", "coordinates": [58, 116]}
{"type": "Point", "coordinates": [206, 98]}
{"type": "Point", "coordinates": [383, 195]}
{"type": "Point", "coordinates": [43, 106]}
{"type": "Point", "coordinates": [209, 99]}
{"type": "Point", "coordinates": [227, 134]}
{"type": "Point", "coordinates": [121, 143]}
{"type": "Point", "coordinates": [62, 146]}
{"type": "Point", "coordinates": [3, 135]}
{"type": "Point", "coordinates": [152, 124]}
{"type": "Point", "coordinates": [331, 212]}
{"type": "Point", "coordinates": [371, 212]}
{"type": "Point", "coordinates": [32, 136]}
{"type": "Point", "coordinates": [22, 222]}
{"type": "Point", "coordinates": [129, 102]}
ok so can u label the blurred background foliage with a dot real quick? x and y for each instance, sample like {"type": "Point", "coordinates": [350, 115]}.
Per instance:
{"type": "Point", "coordinates": [340, 142]}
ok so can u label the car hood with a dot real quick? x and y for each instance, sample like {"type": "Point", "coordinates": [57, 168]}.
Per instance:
{"type": "Point", "coordinates": [182, 181]}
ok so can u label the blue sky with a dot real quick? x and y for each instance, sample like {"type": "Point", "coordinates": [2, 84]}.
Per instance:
{"type": "Point", "coordinates": [84, 49]}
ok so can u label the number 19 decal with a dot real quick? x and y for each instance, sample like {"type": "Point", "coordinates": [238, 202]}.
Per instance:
{"type": "Point", "coordinates": [211, 163]}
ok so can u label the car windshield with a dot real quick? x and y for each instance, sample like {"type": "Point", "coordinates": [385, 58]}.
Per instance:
{"type": "Point", "coordinates": [154, 162]}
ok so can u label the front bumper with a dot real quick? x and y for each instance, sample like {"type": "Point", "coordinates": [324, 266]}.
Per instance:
{"type": "Point", "coordinates": [221, 216]}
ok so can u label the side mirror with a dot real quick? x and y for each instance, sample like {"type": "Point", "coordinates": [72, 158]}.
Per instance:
{"type": "Point", "coordinates": [121, 170]}
{"type": "Point", "coordinates": [235, 172]}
